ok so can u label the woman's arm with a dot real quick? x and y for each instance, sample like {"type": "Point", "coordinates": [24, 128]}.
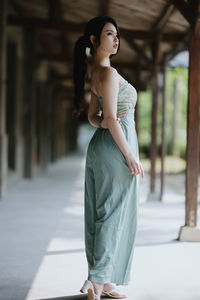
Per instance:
{"type": "Point", "coordinates": [94, 116]}
{"type": "Point", "coordinates": [109, 89]}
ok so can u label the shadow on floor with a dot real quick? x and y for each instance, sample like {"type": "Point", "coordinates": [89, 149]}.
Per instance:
{"type": "Point", "coordinates": [75, 297]}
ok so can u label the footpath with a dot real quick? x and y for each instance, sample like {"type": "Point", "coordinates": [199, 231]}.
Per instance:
{"type": "Point", "coordinates": [42, 253]}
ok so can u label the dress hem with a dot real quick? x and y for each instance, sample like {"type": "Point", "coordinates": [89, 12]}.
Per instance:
{"type": "Point", "coordinates": [106, 280]}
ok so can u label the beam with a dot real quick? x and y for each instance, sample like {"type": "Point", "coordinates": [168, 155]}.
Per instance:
{"type": "Point", "coordinates": [63, 58]}
{"type": "Point", "coordinates": [172, 52]}
{"type": "Point", "coordinates": [157, 28]}
{"type": "Point", "coordinates": [103, 7]}
{"type": "Point", "coordinates": [55, 14]}
{"type": "Point", "coordinates": [54, 10]}
{"type": "Point", "coordinates": [139, 51]}
{"type": "Point", "coordinates": [33, 22]}
{"type": "Point", "coordinates": [151, 35]}
{"type": "Point", "coordinates": [185, 10]}
{"type": "Point", "coordinates": [160, 23]}
{"type": "Point", "coordinates": [179, 48]}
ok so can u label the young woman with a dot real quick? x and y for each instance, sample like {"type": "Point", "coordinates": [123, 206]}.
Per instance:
{"type": "Point", "coordinates": [113, 169]}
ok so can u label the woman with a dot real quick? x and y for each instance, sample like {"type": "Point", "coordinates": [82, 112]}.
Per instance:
{"type": "Point", "coordinates": [112, 162]}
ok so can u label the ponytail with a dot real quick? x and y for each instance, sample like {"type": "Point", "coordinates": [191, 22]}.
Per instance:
{"type": "Point", "coordinates": [93, 27]}
{"type": "Point", "coordinates": [80, 70]}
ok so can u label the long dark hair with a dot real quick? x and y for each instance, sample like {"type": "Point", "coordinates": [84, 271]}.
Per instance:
{"type": "Point", "coordinates": [93, 27]}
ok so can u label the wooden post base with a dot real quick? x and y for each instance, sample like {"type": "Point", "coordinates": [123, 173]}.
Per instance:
{"type": "Point", "coordinates": [3, 164]}
{"type": "Point", "coordinates": [189, 234]}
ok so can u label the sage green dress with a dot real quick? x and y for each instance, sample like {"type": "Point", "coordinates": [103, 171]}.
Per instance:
{"type": "Point", "coordinates": [111, 197]}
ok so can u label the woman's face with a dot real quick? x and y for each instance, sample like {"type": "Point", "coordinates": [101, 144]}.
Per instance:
{"type": "Point", "coordinates": [109, 41]}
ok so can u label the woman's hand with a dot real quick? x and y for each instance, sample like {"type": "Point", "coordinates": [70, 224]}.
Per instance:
{"type": "Point", "coordinates": [104, 124]}
{"type": "Point", "coordinates": [134, 165]}
{"type": "Point", "coordinates": [141, 169]}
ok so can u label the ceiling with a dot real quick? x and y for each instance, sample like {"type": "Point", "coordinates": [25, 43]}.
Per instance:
{"type": "Point", "coordinates": [151, 32]}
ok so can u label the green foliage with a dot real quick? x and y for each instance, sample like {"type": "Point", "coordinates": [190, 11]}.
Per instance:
{"type": "Point", "coordinates": [144, 114]}
{"type": "Point", "coordinates": [178, 76]}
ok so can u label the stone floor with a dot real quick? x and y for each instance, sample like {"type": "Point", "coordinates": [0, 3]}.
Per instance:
{"type": "Point", "coordinates": [42, 252]}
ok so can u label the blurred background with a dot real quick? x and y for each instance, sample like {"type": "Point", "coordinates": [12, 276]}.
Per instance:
{"type": "Point", "coordinates": [43, 145]}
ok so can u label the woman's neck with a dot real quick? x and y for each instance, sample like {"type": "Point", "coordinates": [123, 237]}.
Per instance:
{"type": "Point", "coordinates": [100, 61]}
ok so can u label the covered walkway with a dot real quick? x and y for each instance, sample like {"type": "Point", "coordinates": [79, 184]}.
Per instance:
{"type": "Point", "coordinates": [41, 177]}
{"type": "Point", "coordinates": [37, 124]}
{"type": "Point", "coordinates": [42, 252]}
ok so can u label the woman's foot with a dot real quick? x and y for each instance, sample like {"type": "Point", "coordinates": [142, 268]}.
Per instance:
{"type": "Point", "coordinates": [93, 289]}
{"type": "Point", "coordinates": [110, 289]}
{"type": "Point", "coordinates": [98, 288]}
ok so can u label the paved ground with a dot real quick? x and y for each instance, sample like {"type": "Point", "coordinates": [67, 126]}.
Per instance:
{"type": "Point", "coordinates": [42, 240]}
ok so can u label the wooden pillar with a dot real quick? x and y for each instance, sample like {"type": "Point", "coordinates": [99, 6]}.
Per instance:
{"type": "Point", "coordinates": [46, 137]}
{"type": "Point", "coordinates": [11, 106]}
{"type": "Point", "coordinates": [29, 104]}
{"type": "Point", "coordinates": [136, 115]}
{"type": "Point", "coordinates": [41, 125]}
{"type": "Point", "coordinates": [137, 82]}
{"type": "Point", "coordinates": [50, 99]}
{"type": "Point", "coordinates": [41, 117]}
{"type": "Point", "coordinates": [189, 232]}
{"type": "Point", "coordinates": [153, 147]}
{"type": "Point", "coordinates": [73, 132]}
{"type": "Point", "coordinates": [176, 117]}
{"type": "Point", "coordinates": [64, 125]}
{"type": "Point", "coordinates": [67, 131]}
{"type": "Point", "coordinates": [3, 136]}
{"type": "Point", "coordinates": [19, 106]}
{"type": "Point", "coordinates": [54, 136]}
{"type": "Point", "coordinates": [61, 125]}
{"type": "Point", "coordinates": [163, 140]}
{"type": "Point", "coordinates": [51, 91]}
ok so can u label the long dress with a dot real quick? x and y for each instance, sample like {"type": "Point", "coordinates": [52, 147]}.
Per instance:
{"type": "Point", "coordinates": [111, 197]}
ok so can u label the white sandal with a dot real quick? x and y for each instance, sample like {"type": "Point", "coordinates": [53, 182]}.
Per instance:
{"type": "Point", "coordinates": [111, 291]}
{"type": "Point", "coordinates": [88, 288]}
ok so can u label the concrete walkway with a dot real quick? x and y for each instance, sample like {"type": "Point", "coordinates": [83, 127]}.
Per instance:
{"type": "Point", "coordinates": [42, 252]}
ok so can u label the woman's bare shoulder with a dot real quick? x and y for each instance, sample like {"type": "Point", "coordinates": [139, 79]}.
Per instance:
{"type": "Point", "coordinates": [104, 76]}
{"type": "Point", "coordinates": [109, 74]}
{"type": "Point", "coordinates": [108, 71]}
